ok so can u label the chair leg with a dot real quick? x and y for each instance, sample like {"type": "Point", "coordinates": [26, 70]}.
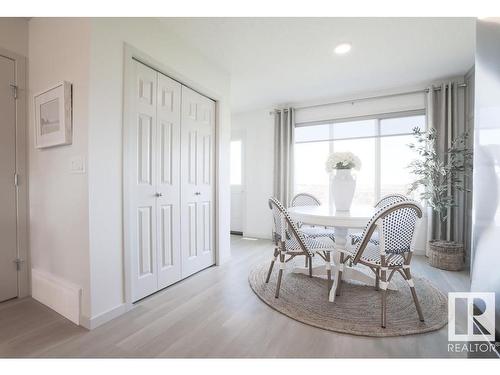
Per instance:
{"type": "Point", "coordinates": [275, 256]}
{"type": "Point", "coordinates": [310, 266]}
{"type": "Point", "coordinates": [414, 293]}
{"type": "Point", "coordinates": [383, 277]}
{"type": "Point", "coordinates": [280, 274]}
{"type": "Point", "coordinates": [328, 267]}
{"type": "Point", "coordinates": [377, 281]}
{"type": "Point", "coordinates": [339, 277]}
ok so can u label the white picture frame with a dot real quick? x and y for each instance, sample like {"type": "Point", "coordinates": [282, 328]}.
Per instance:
{"type": "Point", "coordinates": [53, 116]}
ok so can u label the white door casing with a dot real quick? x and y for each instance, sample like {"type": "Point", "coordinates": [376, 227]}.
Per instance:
{"type": "Point", "coordinates": [237, 208]}
{"type": "Point", "coordinates": [238, 189]}
{"type": "Point", "coordinates": [197, 181]}
{"type": "Point", "coordinates": [8, 212]}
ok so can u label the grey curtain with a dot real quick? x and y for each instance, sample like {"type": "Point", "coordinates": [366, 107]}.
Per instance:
{"type": "Point", "coordinates": [446, 112]}
{"type": "Point", "coordinates": [284, 139]}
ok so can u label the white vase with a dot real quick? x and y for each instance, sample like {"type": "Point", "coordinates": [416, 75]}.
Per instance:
{"type": "Point", "coordinates": [342, 188]}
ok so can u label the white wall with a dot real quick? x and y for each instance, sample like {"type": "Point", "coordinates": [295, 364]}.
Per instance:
{"type": "Point", "coordinates": [14, 35]}
{"type": "Point", "coordinates": [76, 219]}
{"type": "Point", "coordinates": [59, 50]}
{"type": "Point", "coordinates": [258, 126]}
{"type": "Point", "coordinates": [105, 141]}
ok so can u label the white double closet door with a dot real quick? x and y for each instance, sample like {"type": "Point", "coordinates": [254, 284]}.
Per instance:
{"type": "Point", "coordinates": [171, 183]}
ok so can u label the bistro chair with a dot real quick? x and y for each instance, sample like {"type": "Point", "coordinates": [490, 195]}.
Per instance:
{"type": "Point", "coordinates": [305, 199]}
{"type": "Point", "coordinates": [397, 224]}
{"type": "Point", "coordinates": [385, 200]}
{"type": "Point", "coordinates": [290, 242]}
{"type": "Point", "coordinates": [312, 231]}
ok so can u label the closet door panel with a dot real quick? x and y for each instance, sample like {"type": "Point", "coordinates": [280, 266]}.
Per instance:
{"type": "Point", "coordinates": [192, 228]}
{"type": "Point", "coordinates": [142, 152]}
{"type": "Point", "coordinates": [197, 156]}
{"type": "Point", "coordinates": [145, 241]}
{"type": "Point", "coordinates": [206, 226]}
{"type": "Point", "coordinates": [168, 181]}
{"type": "Point", "coordinates": [167, 223]}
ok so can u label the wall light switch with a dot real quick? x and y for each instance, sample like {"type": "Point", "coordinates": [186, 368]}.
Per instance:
{"type": "Point", "coordinates": [77, 164]}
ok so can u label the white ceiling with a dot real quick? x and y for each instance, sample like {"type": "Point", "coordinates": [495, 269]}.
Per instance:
{"type": "Point", "coordinates": [274, 61]}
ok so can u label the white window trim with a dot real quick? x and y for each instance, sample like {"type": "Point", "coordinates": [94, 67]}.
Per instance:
{"type": "Point", "coordinates": [380, 116]}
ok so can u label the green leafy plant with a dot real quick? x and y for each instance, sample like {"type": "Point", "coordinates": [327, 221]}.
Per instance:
{"type": "Point", "coordinates": [439, 174]}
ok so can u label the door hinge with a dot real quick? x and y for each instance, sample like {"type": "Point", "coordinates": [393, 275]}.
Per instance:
{"type": "Point", "coordinates": [18, 262]}
{"type": "Point", "coordinates": [16, 179]}
{"type": "Point", "coordinates": [14, 90]}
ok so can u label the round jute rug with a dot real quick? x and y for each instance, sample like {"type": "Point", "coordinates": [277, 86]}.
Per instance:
{"type": "Point", "coordinates": [357, 310]}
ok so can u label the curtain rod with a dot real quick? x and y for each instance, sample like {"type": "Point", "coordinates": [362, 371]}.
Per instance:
{"type": "Point", "coordinates": [438, 88]}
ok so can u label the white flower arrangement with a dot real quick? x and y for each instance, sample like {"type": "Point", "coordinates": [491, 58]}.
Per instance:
{"type": "Point", "coordinates": [342, 160]}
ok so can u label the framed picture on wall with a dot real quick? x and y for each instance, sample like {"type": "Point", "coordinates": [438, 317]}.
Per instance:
{"type": "Point", "coordinates": [53, 116]}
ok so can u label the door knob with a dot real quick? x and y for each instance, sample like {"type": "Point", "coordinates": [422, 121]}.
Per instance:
{"type": "Point", "coordinates": [159, 195]}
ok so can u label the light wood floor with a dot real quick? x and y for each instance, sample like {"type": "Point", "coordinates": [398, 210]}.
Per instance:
{"type": "Point", "coordinates": [211, 314]}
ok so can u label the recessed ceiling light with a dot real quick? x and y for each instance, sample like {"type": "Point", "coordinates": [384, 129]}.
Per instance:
{"type": "Point", "coordinates": [342, 48]}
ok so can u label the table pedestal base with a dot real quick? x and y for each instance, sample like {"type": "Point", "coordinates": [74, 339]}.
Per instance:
{"type": "Point", "coordinates": [356, 273]}
{"type": "Point", "coordinates": [350, 273]}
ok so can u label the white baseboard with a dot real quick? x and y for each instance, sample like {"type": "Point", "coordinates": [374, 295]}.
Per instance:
{"type": "Point", "coordinates": [419, 252]}
{"type": "Point", "coordinates": [260, 236]}
{"type": "Point", "coordinates": [60, 295]}
{"type": "Point", "coordinates": [96, 321]}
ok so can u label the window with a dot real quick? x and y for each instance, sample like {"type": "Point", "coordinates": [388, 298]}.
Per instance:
{"type": "Point", "coordinates": [381, 144]}
{"type": "Point", "coordinates": [310, 175]}
{"type": "Point", "coordinates": [236, 161]}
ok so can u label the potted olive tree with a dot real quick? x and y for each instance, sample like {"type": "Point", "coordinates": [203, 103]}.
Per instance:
{"type": "Point", "coordinates": [439, 175]}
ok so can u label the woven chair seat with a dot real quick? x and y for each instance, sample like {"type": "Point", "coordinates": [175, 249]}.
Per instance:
{"type": "Point", "coordinates": [314, 245]}
{"type": "Point", "coordinates": [317, 232]}
{"type": "Point", "coordinates": [371, 254]}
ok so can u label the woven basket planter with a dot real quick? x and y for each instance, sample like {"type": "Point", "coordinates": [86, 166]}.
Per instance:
{"type": "Point", "coordinates": [446, 255]}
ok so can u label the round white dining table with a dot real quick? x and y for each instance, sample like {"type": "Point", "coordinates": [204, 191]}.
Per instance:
{"type": "Point", "coordinates": [356, 218]}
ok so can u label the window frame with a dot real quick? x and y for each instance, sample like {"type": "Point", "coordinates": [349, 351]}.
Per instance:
{"type": "Point", "coordinates": [377, 118]}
